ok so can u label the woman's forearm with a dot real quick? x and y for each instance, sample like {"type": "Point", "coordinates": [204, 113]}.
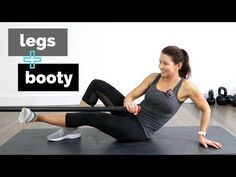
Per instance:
{"type": "Point", "coordinates": [128, 99]}
{"type": "Point", "coordinates": [205, 119]}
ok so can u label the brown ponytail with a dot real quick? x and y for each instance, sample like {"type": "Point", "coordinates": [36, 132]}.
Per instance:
{"type": "Point", "coordinates": [179, 55]}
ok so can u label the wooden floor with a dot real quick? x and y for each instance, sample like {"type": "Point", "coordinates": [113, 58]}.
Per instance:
{"type": "Point", "coordinates": [188, 115]}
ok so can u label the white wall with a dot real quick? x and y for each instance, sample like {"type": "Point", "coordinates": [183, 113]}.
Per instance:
{"type": "Point", "coordinates": [123, 54]}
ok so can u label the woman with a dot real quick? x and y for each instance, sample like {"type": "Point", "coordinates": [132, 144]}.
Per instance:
{"type": "Point", "coordinates": [164, 94]}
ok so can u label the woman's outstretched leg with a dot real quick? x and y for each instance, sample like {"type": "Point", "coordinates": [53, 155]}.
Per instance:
{"type": "Point", "coordinates": [58, 119]}
{"type": "Point", "coordinates": [26, 116]}
{"type": "Point", "coordinates": [123, 128]}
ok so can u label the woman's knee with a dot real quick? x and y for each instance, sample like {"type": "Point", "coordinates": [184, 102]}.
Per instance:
{"type": "Point", "coordinates": [97, 82]}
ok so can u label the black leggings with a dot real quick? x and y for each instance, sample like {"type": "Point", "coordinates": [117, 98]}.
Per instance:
{"type": "Point", "coordinates": [122, 126]}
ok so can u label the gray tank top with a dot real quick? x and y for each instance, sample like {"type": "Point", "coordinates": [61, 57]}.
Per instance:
{"type": "Point", "coordinates": [158, 107]}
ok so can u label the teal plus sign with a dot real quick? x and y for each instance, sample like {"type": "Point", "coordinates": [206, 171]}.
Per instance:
{"type": "Point", "coordinates": [32, 59]}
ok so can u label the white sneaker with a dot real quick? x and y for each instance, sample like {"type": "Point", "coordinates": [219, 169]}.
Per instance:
{"type": "Point", "coordinates": [64, 133]}
{"type": "Point", "coordinates": [26, 115]}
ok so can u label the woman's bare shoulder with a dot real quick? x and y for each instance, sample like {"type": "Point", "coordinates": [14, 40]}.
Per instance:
{"type": "Point", "coordinates": [189, 87]}
{"type": "Point", "coordinates": [188, 84]}
{"type": "Point", "coordinates": [151, 77]}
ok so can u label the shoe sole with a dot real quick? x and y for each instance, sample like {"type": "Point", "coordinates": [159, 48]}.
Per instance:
{"type": "Point", "coordinates": [71, 136]}
{"type": "Point", "coordinates": [21, 119]}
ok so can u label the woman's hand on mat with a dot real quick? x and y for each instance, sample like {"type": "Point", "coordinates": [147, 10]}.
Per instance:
{"type": "Point", "coordinates": [133, 107]}
{"type": "Point", "coordinates": [206, 142]}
